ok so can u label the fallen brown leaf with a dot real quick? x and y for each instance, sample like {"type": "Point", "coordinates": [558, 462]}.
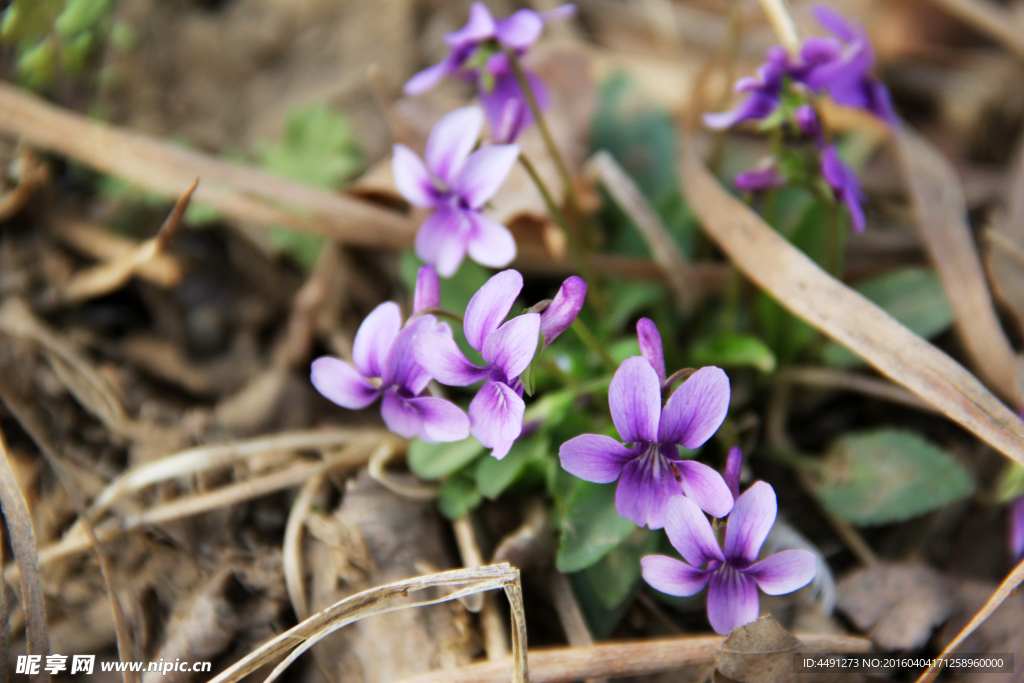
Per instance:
{"type": "Point", "coordinates": [899, 604]}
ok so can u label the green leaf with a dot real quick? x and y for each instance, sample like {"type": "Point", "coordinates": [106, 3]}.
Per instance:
{"type": "Point", "coordinates": [886, 476]}
{"type": "Point", "coordinates": [914, 296]}
{"type": "Point", "coordinates": [604, 588]}
{"type": "Point", "coordinates": [1011, 483]}
{"type": "Point", "coordinates": [493, 476]}
{"type": "Point", "coordinates": [81, 15]}
{"type": "Point", "coordinates": [458, 495]}
{"type": "Point", "coordinates": [624, 348]}
{"type": "Point", "coordinates": [786, 334]}
{"type": "Point", "coordinates": [318, 148]}
{"type": "Point", "coordinates": [551, 408]}
{"type": "Point", "coordinates": [733, 350]}
{"type": "Point", "coordinates": [590, 526]}
{"type": "Point", "coordinates": [631, 298]}
{"type": "Point", "coordinates": [438, 460]}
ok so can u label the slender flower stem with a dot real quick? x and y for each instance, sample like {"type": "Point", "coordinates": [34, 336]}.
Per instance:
{"type": "Point", "coordinates": [676, 376]}
{"type": "Point", "coordinates": [545, 132]}
{"type": "Point", "coordinates": [575, 248]}
{"type": "Point", "coordinates": [591, 342]}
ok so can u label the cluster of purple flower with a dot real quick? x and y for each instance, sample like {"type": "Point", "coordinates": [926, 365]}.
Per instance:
{"type": "Point", "coordinates": [456, 182]}
{"type": "Point", "coordinates": [397, 363]}
{"type": "Point", "coordinates": [840, 66]}
{"type": "Point", "coordinates": [660, 490]}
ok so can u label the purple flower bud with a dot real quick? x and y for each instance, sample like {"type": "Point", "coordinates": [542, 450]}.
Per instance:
{"type": "Point", "coordinates": [1017, 528]}
{"type": "Point", "coordinates": [732, 570]}
{"type": "Point", "coordinates": [563, 309]}
{"type": "Point", "coordinates": [650, 346]}
{"type": "Point", "coordinates": [759, 179]}
{"type": "Point", "coordinates": [765, 92]}
{"type": "Point", "coordinates": [428, 290]}
{"type": "Point", "coordinates": [733, 466]}
{"type": "Point", "coordinates": [649, 471]}
{"type": "Point", "coordinates": [456, 182]}
{"type": "Point", "coordinates": [496, 412]}
{"type": "Point", "coordinates": [807, 120]}
{"type": "Point", "coordinates": [845, 185]}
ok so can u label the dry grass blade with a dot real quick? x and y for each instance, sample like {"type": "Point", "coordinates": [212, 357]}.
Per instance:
{"type": "Point", "coordinates": [620, 659]}
{"type": "Point", "coordinates": [807, 291]}
{"type": "Point", "coordinates": [383, 599]}
{"type": "Point", "coordinates": [782, 24]}
{"type": "Point", "coordinates": [240, 193]}
{"type": "Point", "coordinates": [23, 542]}
{"type": "Point", "coordinates": [990, 18]}
{"type": "Point", "coordinates": [938, 199]}
{"type": "Point", "coordinates": [1008, 586]}
{"type": "Point", "coordinates": [105, 278]}
{"type": "Point", "coordinates": [294, 580]}
{"type": "Point", "coordinates": [28, 416]}
{"type": "Point", "coordinates": [213, 456]}
{"type": "Point", "coordinates": [833, 378]}
{"type": "Point", "coordinates": [33, 175]}
{"type": "Point", "coordinates": [162, 269]}
{"type": "Point", "coordinates": [666, 253]}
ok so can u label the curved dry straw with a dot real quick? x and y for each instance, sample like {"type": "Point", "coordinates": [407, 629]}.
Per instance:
{"type": "Point", "coordinates": [295, 641]}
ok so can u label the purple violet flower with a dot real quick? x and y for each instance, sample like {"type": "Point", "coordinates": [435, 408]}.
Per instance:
{"type": "Point", "coordinates": [455, 183]}
{"type": "Point", "coordinates": [842, 66]}
{"type": "Point", "coordinates": [765, 93]}
{"type": "Point", "coordinates": [385, 366]}
{"type": "Point", "coordinates": [496, 412]}
{"type": "Point", "coordinates": [428, 290]}
{"type": "Point", "coordinates": [807, 122]}
{"type": "Point", "coordinates": [476, 53]}
{"type": "Point", "coordinates": [563, 309]}
{"type": "Point", "coordinates": [733, 467]}
{"type": "Point", "coordinates": [1017, 528]}
{"type": "Point", "coordinates": [732, 570]}
{"type": "Point", "coordinates": [845, 185]}
{"type": "Point", "coordinates": [650, 472]}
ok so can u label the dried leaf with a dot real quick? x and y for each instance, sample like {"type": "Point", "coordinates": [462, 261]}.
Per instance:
{"type": "Point", "coordinates": [938, 199]}
{"type": "Point", "coordinates": [759, 652]}
{"type": "Point", "coordinates": [809, 292]}
{"type": "Point", "coordinates": [899, 604]}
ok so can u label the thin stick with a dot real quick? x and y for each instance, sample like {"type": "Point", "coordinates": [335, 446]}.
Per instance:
{"type": "Point", "coordinates": [782, 24]}
{"type": "Point", "coordinates": [621, 660]}
{"type": "Point", "coordinates": [1009, 584]}
{"type": "Point", "coordinates": [23, 542]}
{"type": "Point", "coordinates": [294, 580]}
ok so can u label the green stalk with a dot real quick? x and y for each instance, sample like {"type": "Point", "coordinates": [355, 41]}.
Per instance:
{"type": "Point", "coordinates": [592, 343]}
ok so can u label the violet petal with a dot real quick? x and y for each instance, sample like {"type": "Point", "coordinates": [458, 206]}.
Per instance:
{"type": "Point", "coordinates": [374, 339]}
{"type": "Point", "coordinates": [733, 468]}
{"type": "Point", "coordinates": [479, 27]}
{"type": "Point", "coordinates": [512, 346]}
{"type": "Point", "coordinates": [644, 491]}
{"type": "Point", "coordinates": [441, 421]}
{"type": "Point", "coordinates": [836, 23]}
{"type": "Point", "coordinates": [650, 345]}
{"type": "Point", "coordinates": [751, 519]}
{"type": "Point", "coordinates": [690, 532]}
{"type": "Point", "coordinates": [451, 141]}
{"type": "Point", "coordinates": [401, 417]}
{"type": "Point", "coordinates": [401, 367]}
{"type": "Point", "coordinates": [339, 382]}
{"type": "Point", "coordinates": [594, 457]}
{"type": "Point", "coordinates": [673, 577]}
{"type": "Point", "coordinates": [705, 487]}
{"type": "Point", "coordinates": [496, 416]}
{"type": "Point", "coordinates": [489, 306]}
{"type": "Point", "coordinates": [412, 178]}
{"type": "Point", "coordinates": [484, 172]}
{"type": "Point", "coordinates": [490, 243]}
{"type": "Point", "coordinates": [428, 289]}
{"type": "Point", "coordinates": [438, 353]}
{"type": "Point", "coordinates": [429, 78]}
{"type": "Point", "coordinates": [784, 572]}
{"type": "Point", "coordinates": [732, 600]}
{"type": "Point", "coordinates": [634, 398]}
{"type": "Point", "coordinates": [521, 30]}
{"type": "Point", "coordinates": [696, 409]}
{"type": "Point", "coordinates": [441, 240]}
